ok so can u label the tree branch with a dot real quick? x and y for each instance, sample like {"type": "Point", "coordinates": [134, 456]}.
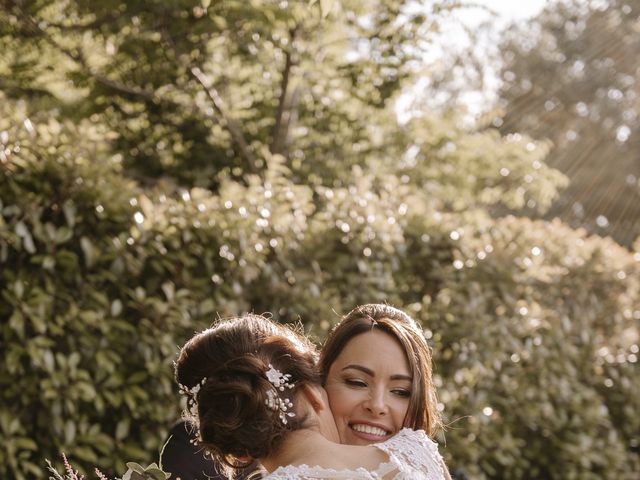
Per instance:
{"type": "Point", "coordinates": [290, 117]}
{"type": "Point", "coordinates": [279, 134]}
{"type": "Point", "coordinates": [227, 122]}
{"type": "Point", "coordinates": [77, 57]}
{"type": "Point", "coordinates": [218, 104]}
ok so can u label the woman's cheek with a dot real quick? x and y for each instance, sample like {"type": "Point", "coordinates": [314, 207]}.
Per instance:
{"type": "Point", "coordinates": [341, 401]}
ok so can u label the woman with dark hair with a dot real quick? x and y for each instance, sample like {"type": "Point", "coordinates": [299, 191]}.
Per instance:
{"type": "Point", "coordinates": [377, 371]}
{"type": "Point", "coordinates": [254, 392]}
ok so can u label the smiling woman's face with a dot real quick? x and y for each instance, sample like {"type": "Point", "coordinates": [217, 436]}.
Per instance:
{"type": "Point", "coordinates": [369, 387]}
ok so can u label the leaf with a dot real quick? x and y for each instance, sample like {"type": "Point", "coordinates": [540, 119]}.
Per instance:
{"type": "Point", "coordinates": [63, 235]}
{"type": "Point", "coordinates": [48, 262]}
{"type": "Point", "coordinates": [16, 322]}
{"type": "Point", "coordinates": [70, 210]}
{"type": "Point", "coordinates": [23, 232]}
{"type": "Point", "coordinates": [122, 429]}
{"type": "Point", "coordinates": [207, 306]}
{"type": "Point", "coordinates": [169, 290]}
{"type": "Point", "coordinates": [87, 391]}
{"type": "Point", "coordinates": [85, 453]}
{"type": "Point", "coordinates": [116, 308]}
{"type": "Point", "coordinates": [49, 360]}
{"type": "Point", "coordinates": [24, 443]}
{"type": "Point", "coordinates": [21, 229]}
{"type": "Point", "coordinates": [155, 473]}
{"type": "Point", "coordinates": [69, 431]}
{"type": "Point", "coordinates": [88, 250]}
{"type": "Point", "coordinates": [135, 467]}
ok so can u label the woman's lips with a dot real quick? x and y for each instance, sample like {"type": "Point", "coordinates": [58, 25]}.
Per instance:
{"type": "Point", "coordinates": [371, 433]}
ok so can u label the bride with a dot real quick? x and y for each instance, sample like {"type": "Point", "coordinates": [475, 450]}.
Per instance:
{"type": "Point", "coordinates": [254, 392]}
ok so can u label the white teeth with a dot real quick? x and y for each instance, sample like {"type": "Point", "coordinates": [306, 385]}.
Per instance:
{"type": "Point", "coordinates": [358, 427]}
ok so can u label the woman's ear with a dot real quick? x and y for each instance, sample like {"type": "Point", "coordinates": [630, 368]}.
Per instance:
{"type": "Point", "coordinates": [316, 396]}
{"type": "Point", "coordinates": [317, 399]}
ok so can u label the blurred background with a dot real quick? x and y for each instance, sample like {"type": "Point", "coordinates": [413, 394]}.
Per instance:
{"type": "Point", "coordinates": [164, 163]}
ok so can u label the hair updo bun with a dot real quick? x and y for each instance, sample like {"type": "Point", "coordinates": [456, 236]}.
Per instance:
{"type": "Point", "coordinates": [225, 369]}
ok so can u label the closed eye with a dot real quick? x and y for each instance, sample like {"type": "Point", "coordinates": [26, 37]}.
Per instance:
{"type": "Point", "coordinates": [352, 382]}
{"type": "Point", "coordinates": [402, 393]}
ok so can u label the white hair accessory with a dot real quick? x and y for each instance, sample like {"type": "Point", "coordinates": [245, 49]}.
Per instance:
{"type": "Point", "coordinates": [192, 406]}
{"type": "Point", "coordinates": [280, 381]}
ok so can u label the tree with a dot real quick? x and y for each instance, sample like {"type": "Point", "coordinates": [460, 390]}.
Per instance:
{"type": "Point", "coordinates": [569, 76]}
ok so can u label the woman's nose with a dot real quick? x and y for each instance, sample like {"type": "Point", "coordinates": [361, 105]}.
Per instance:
{"type": "Point", "coordinates": [377, 403]}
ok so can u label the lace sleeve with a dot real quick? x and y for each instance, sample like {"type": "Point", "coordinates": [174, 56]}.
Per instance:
{"type": "Point", "coordinates": [415, 454]}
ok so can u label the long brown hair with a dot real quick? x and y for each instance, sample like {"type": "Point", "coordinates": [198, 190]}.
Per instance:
{"type": "Point", "coordinates": [422, 412]}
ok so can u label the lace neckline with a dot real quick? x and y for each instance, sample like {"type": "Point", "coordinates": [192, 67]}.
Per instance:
{"type": "Point", "coordinates": [381, 470]}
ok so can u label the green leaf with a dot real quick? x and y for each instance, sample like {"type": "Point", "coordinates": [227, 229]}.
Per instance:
{"type": "Point", "coordinates": [122, 429]}
{"type": "Point", "coordinates": [63, 235]}
{"type": "Point", "coordinates": [89, 251]}
{"type": "Point", "coordinates": [24, 443]}
{"type": "Point", "coordinates": [70, 211]}
{"type": "Point", "coordinates": [69, 432]}
{"type": "Point", "coordinates": [135, 467]}
{"type": "Point", "coordinates": [16, 322]}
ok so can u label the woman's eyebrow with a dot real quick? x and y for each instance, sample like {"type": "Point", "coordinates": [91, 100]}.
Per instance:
{"type": "Point", "coordinates": [371, 373]}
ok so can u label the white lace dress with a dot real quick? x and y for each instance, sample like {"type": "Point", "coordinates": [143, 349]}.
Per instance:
{"type": "Point", "coordinates": [412, 456]}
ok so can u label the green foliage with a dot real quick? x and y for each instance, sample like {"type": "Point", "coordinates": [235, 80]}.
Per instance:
{"type": "Point", "coordinates": [538, 338]}
{"type": "Point", "coordinates": [566, 77]}
{"type": "Point", "coordinates": [138, 472]}
{"type": "Point", "coordinates": [162, 164]}
{"type": "Point", "coordinates": [67, 305]}
{"type": "Point", "coordinates": [569, 77]}
{"type": "Point", "coordinates": [134, 471]}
